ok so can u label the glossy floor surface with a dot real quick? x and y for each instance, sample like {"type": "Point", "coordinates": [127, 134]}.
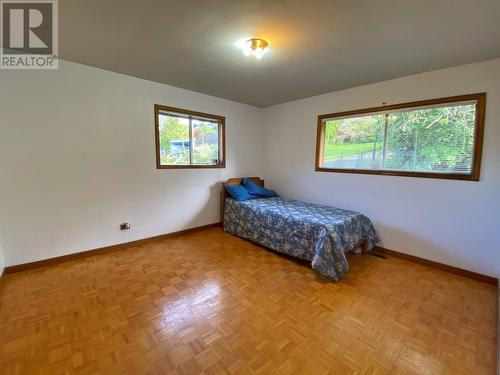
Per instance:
{"type": "Point", "coordinates": [208, 302]}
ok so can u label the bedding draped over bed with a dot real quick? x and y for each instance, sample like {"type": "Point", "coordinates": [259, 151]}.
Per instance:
{"type": "Point", "coordinates": [314, 232]}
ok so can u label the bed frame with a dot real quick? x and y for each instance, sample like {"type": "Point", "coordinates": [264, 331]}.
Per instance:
{"type": "Point", "coordinates": [234, 182]}
{"type": "Point", "coordinates": [237, 181]}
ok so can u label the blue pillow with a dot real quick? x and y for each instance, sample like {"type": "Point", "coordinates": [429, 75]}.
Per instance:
{"type": "Point", "coordinates": [239, 193]}
{"type": "Point", "coordinates": [258, 190]}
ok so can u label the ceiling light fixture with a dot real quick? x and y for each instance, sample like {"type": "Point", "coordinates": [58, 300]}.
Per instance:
{"type": "Point", "coordinates": [256, 47]}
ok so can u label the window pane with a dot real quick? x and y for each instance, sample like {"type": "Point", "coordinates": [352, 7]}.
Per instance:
{"type": "Point", "coordinates": [205, 142]}
{"type": "Point", "coordinates": [354, 143]}
{"type": "Point", "coordinates": [435, 140]}
{"type": "Point", "coordinates": [174, 140]}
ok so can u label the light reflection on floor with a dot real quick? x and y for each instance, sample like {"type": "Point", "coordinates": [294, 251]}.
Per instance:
{"type": "Point", "coordinates": [199, 304]}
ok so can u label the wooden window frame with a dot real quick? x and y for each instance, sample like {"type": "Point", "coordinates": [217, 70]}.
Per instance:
{"type": "Point", "coordinates": [222, 138]}
{"type": "Point", "coordinates": [478, 137]}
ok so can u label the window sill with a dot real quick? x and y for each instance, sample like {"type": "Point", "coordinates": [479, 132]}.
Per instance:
{"type": "Point", "coordinates": [191, 166]}
{"type": "Point", "coordinates": [447, 176]}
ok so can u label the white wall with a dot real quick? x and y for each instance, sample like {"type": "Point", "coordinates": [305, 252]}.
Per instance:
{"type": "Point", "coordinates": [453, 222]}
{"type": "Point", "coordinates": [77, 158]}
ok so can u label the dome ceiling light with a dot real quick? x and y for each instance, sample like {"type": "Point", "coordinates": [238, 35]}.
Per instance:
{"type": "Point", "coordinates": [256, 47]}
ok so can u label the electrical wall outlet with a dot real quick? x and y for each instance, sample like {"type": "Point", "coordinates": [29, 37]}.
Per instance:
{"type": "Point", "coordinates": [124, 226]}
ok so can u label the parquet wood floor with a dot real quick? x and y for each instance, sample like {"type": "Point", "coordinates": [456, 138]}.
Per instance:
{"type": "Point", "coordinates": [208, 302]}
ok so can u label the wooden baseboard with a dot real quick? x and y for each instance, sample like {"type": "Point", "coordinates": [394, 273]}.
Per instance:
{"type": "Point", "coordinates": [101, 250]}
{"type": "Point", "coordinates": [440, 266]}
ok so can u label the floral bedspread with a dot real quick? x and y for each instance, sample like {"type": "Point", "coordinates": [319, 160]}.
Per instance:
{"type": "Point", "coordinates": [314, 232]}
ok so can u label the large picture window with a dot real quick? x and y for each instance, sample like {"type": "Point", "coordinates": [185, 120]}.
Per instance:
{"type": "Point", "coordinates": [187, 139]}
{"type": "Point", "coordinates": [438, 138]}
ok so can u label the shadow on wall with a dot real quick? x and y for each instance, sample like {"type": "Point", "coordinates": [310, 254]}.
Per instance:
{"type": "Point", "coordinates": [205, 215]}
{"type": "Point", "coordinates": [432, 251]}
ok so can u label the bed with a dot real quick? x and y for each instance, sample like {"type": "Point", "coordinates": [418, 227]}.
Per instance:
{"type": "Point", "coordinates": [317, 233]}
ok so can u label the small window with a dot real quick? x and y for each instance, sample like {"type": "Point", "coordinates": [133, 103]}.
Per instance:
{"type": "Point", "coordinates": [439, 138]}
{"type": "Point", "coordinates": [187, 139]}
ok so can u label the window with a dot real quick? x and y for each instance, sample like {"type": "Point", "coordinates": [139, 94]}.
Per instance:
{"type": "Point", "coordinates": [439, 138]}
{"type": "Point", "coordinates": [187, 139]}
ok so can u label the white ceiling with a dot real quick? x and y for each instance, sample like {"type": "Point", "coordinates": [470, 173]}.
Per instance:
{"type": "Point", "coordinates": [315, 46]}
